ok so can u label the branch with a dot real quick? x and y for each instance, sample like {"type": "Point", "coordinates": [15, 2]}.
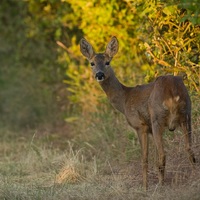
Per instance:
{"type": "Point", "coordinates": [157, 60]}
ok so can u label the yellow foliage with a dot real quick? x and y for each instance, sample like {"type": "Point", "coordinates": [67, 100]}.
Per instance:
{"type": "Point", "coordinates": [152, 39]}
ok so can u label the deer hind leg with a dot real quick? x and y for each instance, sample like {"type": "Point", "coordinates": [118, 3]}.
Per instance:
{"type": "Point", "coordinates": [157, 130]}
{"type": "Point", "coordinates": [187, 130]}
{"type": "Point", "coordinates": [143, 138]}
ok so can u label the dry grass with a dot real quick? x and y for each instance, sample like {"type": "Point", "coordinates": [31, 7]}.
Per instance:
{"type": "Point", "coordinates": [33, 171]}
{"type": "Point", "coordinates": [68, 174]}
{"type": "Point", "coordinates": [99, 163]}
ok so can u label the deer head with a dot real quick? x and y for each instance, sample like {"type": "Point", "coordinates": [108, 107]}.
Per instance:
{"type": "Point", "coordinates": [100, 62]}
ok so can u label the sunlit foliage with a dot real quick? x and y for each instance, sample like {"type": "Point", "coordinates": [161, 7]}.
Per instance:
{"type": "Point", "coordinates": [155, 37]}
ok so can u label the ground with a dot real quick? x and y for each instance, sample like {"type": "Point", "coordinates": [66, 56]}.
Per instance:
{"type": "Point", "coordinates": [96, 160]}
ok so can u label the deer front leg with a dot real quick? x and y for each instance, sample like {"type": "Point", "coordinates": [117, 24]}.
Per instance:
{"type": "Point", "coordinates": [143, 138]}
{"type": "Point", "coordinates": [157, 130]}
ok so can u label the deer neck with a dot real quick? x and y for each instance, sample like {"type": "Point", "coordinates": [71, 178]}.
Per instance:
{"type": "Point", "coordinates": [115, 92]}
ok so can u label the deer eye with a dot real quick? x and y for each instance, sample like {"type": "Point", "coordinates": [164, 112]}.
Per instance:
{"type": "Point", "coordinates": [107, 63]}
{"type": "Point", "coordinates": [92, 64]}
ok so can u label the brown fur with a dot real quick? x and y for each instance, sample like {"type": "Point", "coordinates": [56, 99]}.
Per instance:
{"type": "Point", "coordinates": [148, 108]}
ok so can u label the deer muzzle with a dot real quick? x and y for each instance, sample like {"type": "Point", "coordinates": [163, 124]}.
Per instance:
{"type": "Point", "coordinates": [172, 126]}
{"type": "Point", "coordinates": [100, 76]}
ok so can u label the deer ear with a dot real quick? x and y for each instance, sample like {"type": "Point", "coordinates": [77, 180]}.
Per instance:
{"type": "Point", "coordinates": [86, 49]}
{"type": "Point", "coordinates": [112, 47]}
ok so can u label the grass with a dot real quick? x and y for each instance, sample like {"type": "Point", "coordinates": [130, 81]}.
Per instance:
{"type": "Point", "coordinates": [100, 161]}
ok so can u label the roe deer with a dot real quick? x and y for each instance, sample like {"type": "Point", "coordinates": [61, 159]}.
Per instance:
{"type": "Point", "coordinates": [148, 108]}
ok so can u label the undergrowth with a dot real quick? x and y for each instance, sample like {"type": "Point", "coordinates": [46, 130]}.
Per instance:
{"type": "Point", "coordinates": [100, 161]}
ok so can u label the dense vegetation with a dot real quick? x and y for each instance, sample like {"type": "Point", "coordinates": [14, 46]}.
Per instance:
{"type": "Point", "coordinates": [47, 90]}
{"type": "Point", "coordinates": [40, 50]}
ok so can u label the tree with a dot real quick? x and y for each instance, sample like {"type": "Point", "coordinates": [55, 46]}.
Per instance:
{"type": "Point", "coordinates": [28, 73]}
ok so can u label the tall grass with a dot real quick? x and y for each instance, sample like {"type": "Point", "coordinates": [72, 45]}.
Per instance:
{"type": "Point", "coordinates": [100, 161]}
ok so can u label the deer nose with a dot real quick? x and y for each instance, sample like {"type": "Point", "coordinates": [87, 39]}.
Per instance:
{"type": "Point", "coordinates": [100, 76]}
{"type": "Point", "coordinates": [172, 127]}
